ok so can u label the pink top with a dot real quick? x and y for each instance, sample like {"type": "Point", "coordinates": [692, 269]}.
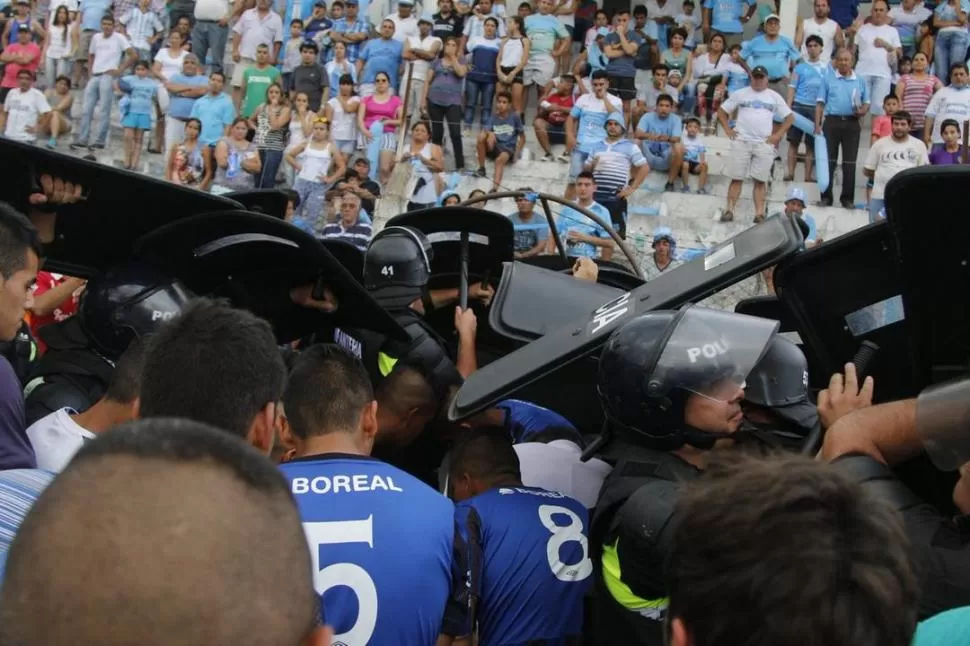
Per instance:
{"type": "Point", "coordinates": [882, 126]}
{"type": "Point", "coordinates": [11, 70]}
{"type": "Point", "coordinates": [374, 110]}
{"type": "Point", "coordinates": [917, 95]}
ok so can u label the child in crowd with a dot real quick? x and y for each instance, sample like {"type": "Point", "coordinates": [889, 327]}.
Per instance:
{"type": "Point", "coordinates": [905, 67]}
{"type": "Point", "coordinates": [951, 152]}
{"type": "Point", "coordinates": [737, 75]}
{"type": "Point", "coordinates": [689, 22]}
{"type": "Point", "coordinates": [141, 91]}
{"type": "Point", "coordinates": [291, 52]}
{"type": "Point", "coordinates": [882, 126]}
{"type": "Point", "coordinates": [695, 156]}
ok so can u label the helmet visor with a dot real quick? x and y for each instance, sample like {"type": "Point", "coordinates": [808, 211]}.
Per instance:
{"type": "Point", "coordinates": [943, 423]}
{"type": "Point", "coordinates": [711, 352]}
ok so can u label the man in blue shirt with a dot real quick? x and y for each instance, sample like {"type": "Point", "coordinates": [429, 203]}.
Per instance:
{"type": "Point", "coordinates": [774, 52]}
{"type": "Point", "coordinates": [532, 545]}
{"type": "Point", "coordinates": [802, 96]}
{"type": "Point", "coordinates": [727, 17]}
{"type": "Point", "coordinates": [531, 231]}
{"type": "Point", "coordinates": [621, 47]}
{"type": "Point", "coordinates": [501, 139]}
{"type": "Point", "coordinates": [183, 91]}
{"type": "Point", "coordinates": [660, 133]}
{"type": "Point", "coordinates": [581, 236]}
{"type": "Point", "coordinates": [350, 30]}
{"type": "Point", "coordinates": [382, 54]}
{"type": "Point", "coordinates": [214, 110]}
{"type": "Point", "coordinates": [382, 543]}
{"type": "Point", "coordinates": [586, 125]}
{"type": "Point", "coordinates": [843, 100]}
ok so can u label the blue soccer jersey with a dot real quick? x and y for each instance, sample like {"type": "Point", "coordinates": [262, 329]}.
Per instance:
{"type": "Point", "coordinates": [382, 548]}
{"type": "Point", "coordinates": [533, 567]}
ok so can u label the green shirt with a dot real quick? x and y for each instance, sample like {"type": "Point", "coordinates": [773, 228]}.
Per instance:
{"type": "Point", "coordinates": [257, 81]}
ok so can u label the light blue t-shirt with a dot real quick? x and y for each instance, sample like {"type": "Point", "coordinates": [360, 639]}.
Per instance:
{"type": "Point", "coordinates": [529, 234]}
{"type": "Point", "coordinates": [141, 92]}
{"type": "Point", "coordinates": [181, 106]}
{"type": "Point", "coordinates": [944, 11]}
{"type": "Point", "coordinates": [737, 78]}
{"type": "Point", "coordinates": [19, 489]}
{"type": "Point", "coordinates": [91, 13]}
{"type": "Point", "coordinates": [726, 15]}
{"type": "Point", "coordinates": [945, 629]}
{"type": "Point", "coordinates": [652, 123]}
{"type": "Point", "coordinates": [381, 55]}
{"type": "Point", "coordinates": [591, 113]}
{"type": "Point", "coordinates": [776, 56]}
{"type": "Point", "coordinates": [572, 220]}
{"type": "Point", "coordinates": [806, 82]}
{"type": "Point", "coordinates": [215, 113]}
{"type": "Point", "coordinates": [543, 32]}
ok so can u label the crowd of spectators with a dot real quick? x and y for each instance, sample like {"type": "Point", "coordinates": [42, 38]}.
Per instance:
{"type": "Point", "coordinates": [255, 94]}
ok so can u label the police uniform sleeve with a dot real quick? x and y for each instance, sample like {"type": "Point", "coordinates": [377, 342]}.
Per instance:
{"type": "Point", "coordinates": [941, 547]}
{"type": "Point", "coordinates": [643, 527]}
{"type": "Point", "coordinates": [466, 567]}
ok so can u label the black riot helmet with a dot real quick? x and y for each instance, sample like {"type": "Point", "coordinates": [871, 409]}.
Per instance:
{"type": "Point", "coordinates": [125, 303]}
{"type": "Point", "coordinates": [780, 382]}
{"type": "Point", "coordinates": [652, 364]}
{"type": "Point", "coordinates": [397, 266]}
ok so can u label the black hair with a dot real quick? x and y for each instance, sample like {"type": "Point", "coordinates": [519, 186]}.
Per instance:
{"type": "Point", "coordinates": [291, 196]}
{"type": "Point", "coordinates": [955, 66]}
{"type": "Point", "coordinates": [599, 74]}
{"type": "Point", "coordinates": [125, 382]}
{"type": "Point", "coordinates": [902, 115]}
{"type": "Point", "coordinates": [485, 453]}
{"type": "Point", "coordinates": [679, 31]}
{"type": "Point", "coordinates": [219, 74]}
{"type": "Point", "coordinates": [660, 67]}
{"type": "Point", "coordinates": [640, 10]}
{"type": "Point", "coordinates": [950, 122]}
{"type": "Point", "coordinates": [214, 364]}
{"type": "Point", "coordinates": [586, 174]}
{"type": "Point", "coordinates": [326, 392]}
{"type": "Point", "coordinates": [814, 38]}
{"type": "Point", "coordinates": [491, 19]}
{"type": "Point", "coordinates": [309, 45]}
{"type": "Point", "coordinates": [666, 97]}
{"type": "Point", "coordinates": [296, 21]}
{"type": "Point", "coordinates": [345, 79]}
{"type": "Point", "coordinates": [17, 236]}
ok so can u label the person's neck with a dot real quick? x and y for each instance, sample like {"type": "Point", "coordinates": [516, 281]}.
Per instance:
{"type": "Point", "coordinates": [351, 222]}
{"type": "Point", "coordinates": [444, 14]}
{"type": "Point", "coordinates": [692, 456]}
{"type": "Point", "coordinates": [610, 139]}
{"type": "Point", "coordinates": [214, 93]}
{"type": "Point", "coordinates": [502, 114]}
{"type": "Point", "coordinates": [952, 146]}
{"type": "Point", "coordinates": [262, 66]}
{"type": "Point", "coordinates": [845, 74]}
{"type": "Point", "coordinates": [901, 139]}
{"type": "Point", "coordinates": [262, 11]}
{"type": "Point", "coordinates": [102, 416]}
{"type": "Point", "coordinates": [813, 60]}
{"type": "Point", "coordinates": [332, 442]}
{"type": "Point", "coordinates": [584, 202]}
{"type": "Point", "coordinates": [821, 21]}
{"type": "Point", "coordinates": [771, 37]}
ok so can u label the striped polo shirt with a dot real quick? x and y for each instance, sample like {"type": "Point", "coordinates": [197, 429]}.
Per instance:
{"type": "Point", "coordinates": [19, 488]}
{"type": "Point", "coordinates": [612, 166]}
{"type": "Point", "coordinates": [357, 234]}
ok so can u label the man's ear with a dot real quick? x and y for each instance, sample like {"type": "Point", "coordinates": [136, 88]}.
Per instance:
{"type": "Point", "coordinates": [679, 636]}
{"type": "Point", "coordinates": [262, 432]}
{"type": "Point", "coordinates": [368, 424]}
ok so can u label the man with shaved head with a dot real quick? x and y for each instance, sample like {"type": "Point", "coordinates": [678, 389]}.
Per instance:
{"type": "Point", "coordinates": [162, 532]}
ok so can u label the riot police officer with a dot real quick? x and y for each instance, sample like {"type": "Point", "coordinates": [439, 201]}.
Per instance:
{"type": "Point", "coordinates": [671, 387]}
{"type": "Point", "coordinates": [118, 306]}
{"type": "Point", "coordinates": [776, 401]}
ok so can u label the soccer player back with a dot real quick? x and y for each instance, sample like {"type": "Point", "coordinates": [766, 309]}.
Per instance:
{"type": "Point", "coordinates": [381, 543]}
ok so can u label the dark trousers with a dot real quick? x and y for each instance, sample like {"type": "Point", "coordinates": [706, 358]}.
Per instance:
{"type": "Point", "coordinates": [842, 132]}
{"type": "Point", "coordinates": [270, 163]}
{"type": "Point", "coordinates": [437, 114]}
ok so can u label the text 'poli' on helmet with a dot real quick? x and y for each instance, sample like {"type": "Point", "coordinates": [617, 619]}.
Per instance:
{"type": "Point", "coordinates": [125, 303]}
{"type": "Point", "coordinates": [397, 266]}
{"type": "Point", "coordinates": [780, 382]}
{"type": "Point", "coordinates": [651, 365]}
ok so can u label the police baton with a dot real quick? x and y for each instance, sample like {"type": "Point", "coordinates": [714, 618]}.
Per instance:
{"type": "Point", "coordinates": [463, 271]}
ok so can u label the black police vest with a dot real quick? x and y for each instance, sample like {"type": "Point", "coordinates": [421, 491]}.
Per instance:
{"type": "Point", "coordinates": [70, 374]}
{"type": "Point", "coordinates": [613, 623]}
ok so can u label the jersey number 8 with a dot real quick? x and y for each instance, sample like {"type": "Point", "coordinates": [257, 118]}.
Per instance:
{"type": "Point", "coordinates": [346, 574]}
{"type": "Point", "coordinates": [562, 534]}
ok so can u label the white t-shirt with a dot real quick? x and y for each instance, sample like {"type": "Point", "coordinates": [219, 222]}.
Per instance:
{"type": "Point", "coordinates": [56, 438]}
{"type": "Point", "coordinates": [825, 31]}
{"type": "Point", "coordinates": [888, 157]}
{"type": "Point", "coordinates": [756, 112]}
{"type": "Point", "coordinates": [344, 126]}
{"type": "Point", "coordinates": [874, 61]}
{"type": "Point", "coordinates": [22, 110]}
{"type": "Point", "coordinates": [556, 466]}
{"type": "Point", "coordinates": [170, 65]}
{"type": "Point", "coordinates": [420, 65]}
{"type": "Point", "coordinates": [404, 28]}
{"type": "Point", "coordinates": [58, 41]}
{"type": "Point", "coordinates": [948, 103]}
{"type": "Point", "coordinates": [211, 9]}
{"type": "Point", "coordinates": [255, 30]}
{"type": "Point", "coordinates": [108, 52]}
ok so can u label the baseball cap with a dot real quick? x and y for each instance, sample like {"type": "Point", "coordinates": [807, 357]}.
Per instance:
{"type": "Point", "coordinates": [426, 18]}
{"type": "Point", "coordinates": [351, 2]}
{"type": "Point", "coordinates": [796, 193]}
{"type": "Point", "coordinates": [23, 27]}
{"type": "Point", "coordinates": [406, 3]}
{"type": "Point", "coordinates": [320, 3]}
{"type": "Point", "coordinates": [674, 72]}
{"type": "Point", "coordinates": [760, 70]}
{"type": "Point", "coordinates": [771, 16]}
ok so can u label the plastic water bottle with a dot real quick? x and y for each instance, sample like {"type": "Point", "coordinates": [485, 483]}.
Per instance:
{"type": "Point", "coordinates": [233, 165]}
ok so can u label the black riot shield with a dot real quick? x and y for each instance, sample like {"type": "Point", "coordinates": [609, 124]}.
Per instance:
{"type": "Point", "coordinates": [729, 262]}
{"type": "Point", "coordinates": [118, 207]}
{"type": "Point", "coordinates": [930, 231]}
{"type": "Point", "coordinates": [268, 201]}
{"type": "Point", "coordinates": [254, 260]}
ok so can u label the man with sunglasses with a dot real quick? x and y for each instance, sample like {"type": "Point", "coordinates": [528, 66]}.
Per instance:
{"type": "Point", "coordinates": [671, 386]}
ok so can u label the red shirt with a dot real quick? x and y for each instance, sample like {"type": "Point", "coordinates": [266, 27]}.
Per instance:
{"type": "Point", "coordinates": [11, 70]}
{"type": "Point", "coordinates": [560, 101]}
{"type": "Point", "coordinates": [45, 282]}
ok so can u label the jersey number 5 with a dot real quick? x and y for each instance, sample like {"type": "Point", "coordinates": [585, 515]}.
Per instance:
{"type": "Point", "coordinates": [562, 534]}
{"type": "Point", "coordinates": [346, 574]}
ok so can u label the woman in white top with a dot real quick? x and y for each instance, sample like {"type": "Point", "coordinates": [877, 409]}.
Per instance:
{"type": "Point", "coordinates": [708, 79]}
{"type": "Point", "coordinates": [513, 54]}
{"type": "Point", "coordinates": [168, 62]}
{"type": "Point", "coordinates": [300, 126]}
{"type": "Point", "coordinates": [428, 161]}
{"type": "Point", "coordinates": [320, 164]}
{"type": "Point", "coordinates": [59, 47]}
{"type": "Point", "coordinates": [342, 113]}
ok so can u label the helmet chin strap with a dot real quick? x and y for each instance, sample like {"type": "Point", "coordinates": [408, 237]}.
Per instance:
{"type": "Point", "coordinates": [704, 440]}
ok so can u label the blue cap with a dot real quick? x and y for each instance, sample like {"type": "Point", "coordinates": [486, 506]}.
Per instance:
{"type": "Point", "coordinates": [796, 193]}
{"type": "Point", "coordinates": [664, 233]}
{"type": "Point", "coordinates": [616, 117]}
{"type": "Point", "coordinates": [425, 17]}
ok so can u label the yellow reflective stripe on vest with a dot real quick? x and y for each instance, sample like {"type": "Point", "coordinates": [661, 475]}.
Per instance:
{"type": "Point", "coordinates": [385, 363]}
{"type": "Point", "coordinates": [620, 591]}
